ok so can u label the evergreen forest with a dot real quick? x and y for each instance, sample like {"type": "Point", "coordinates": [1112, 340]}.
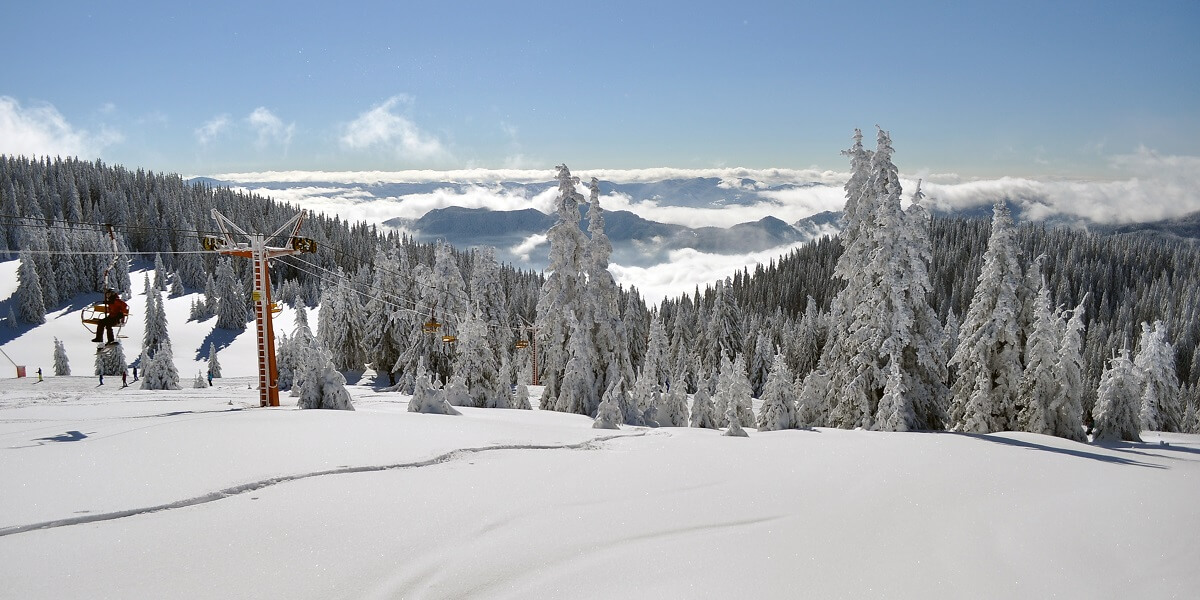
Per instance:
{"type": "Point", "coordinates": [902, 322]}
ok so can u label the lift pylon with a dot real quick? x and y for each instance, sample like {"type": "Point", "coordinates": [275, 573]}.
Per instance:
{"type": "Point", "coordinates": [255, 248]}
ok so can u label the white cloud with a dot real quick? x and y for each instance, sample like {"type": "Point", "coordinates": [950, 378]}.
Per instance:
{"type": "Point", "coordinates": [210, 130]}
{"type": "Point", "coordinates": [787, 205]}
{"type": "Point", "coordinates": [43, 131]}
{"type": "Point", "coordinates": [269, 128]}
{"type": "Point", "coordinates": [525, 248]}
{"type": "Point", "coordinates": [384, 127]}
{"type": "Point", "coordinates": [687, 268]}
{"type": "Point", "coordinates": [524, 175]}
{"type": "Point", "coordinates": [1154, 187]}
{"type": "Point", "coordinates": [360, 203]}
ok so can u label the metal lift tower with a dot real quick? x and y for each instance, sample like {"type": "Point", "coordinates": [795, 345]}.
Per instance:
{"type": "Point", "coordinates": [255, 248]}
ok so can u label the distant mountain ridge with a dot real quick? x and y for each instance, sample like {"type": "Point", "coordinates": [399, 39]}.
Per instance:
{"type": "Point", "coordinates": [636, 241]}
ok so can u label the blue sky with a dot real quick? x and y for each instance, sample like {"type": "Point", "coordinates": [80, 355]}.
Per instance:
{"type": "Point", "coordinates": [1044, 89]}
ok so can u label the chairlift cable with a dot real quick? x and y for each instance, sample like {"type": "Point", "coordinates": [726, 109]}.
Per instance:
{"type": "Point", "coordinates": [59, 223]}
{"type": "Point", "coordinates": [333, 277]}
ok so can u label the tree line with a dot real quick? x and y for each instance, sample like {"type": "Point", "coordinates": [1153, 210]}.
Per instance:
{"type": "Point", "coordinates": [865, 329]}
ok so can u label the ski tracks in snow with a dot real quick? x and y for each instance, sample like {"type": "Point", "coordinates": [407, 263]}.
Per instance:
{"type": "Point", "coordinates": [452, 455]}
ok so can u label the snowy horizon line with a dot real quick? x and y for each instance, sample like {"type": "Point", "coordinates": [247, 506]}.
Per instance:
{"type": "Point", "coordinates": [767, 175]}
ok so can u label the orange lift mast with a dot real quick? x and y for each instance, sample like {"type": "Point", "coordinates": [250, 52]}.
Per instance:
{"type": "Point", "coordinates": [255, 248]}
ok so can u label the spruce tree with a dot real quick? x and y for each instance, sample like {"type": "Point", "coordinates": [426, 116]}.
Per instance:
{"type": "Point", "coordinates": [778, 409]}
{"type": "Point", "coordinates": [732, 427]}
{"type": "Point", "coordinates": [1040, 386]}
{"type": "Point", "coordinates": [155, 335]}
{"type": "Point", "coordinates": [475, 361]}
{"type": "Point", "coordinates": [1160, 406]}
{"type": "Point", "coordinates": [491, 300]}
{"type": "Point", "coordinates": [644, 394]}
{"type": "Point", "coordinates": [111, 361]}
{"type": "Point", "coordinates": [601, 311]}
{"type": "Point", "coordinates": [895, 413]}
{"type": "Point", "coordinates": [812, 409]}
{"type": "Point", "coordinates": [521, 399]}
{"type": "Point", "coordinates": [1067, 408]}
{"type": "Point", "coordinates": [722, 337]}
{"type": "Point", "coordinates": [504, 394]}
{"type": "Point", "coordinates": [424, 341]}
{"type": "Point", "coordinates": [303, 346]}
{"type": "Point", "coordinates": [323, 386]}
{"type": "Point", "coordinates": [231, 301]}
{"type": "Point", "coordinates": [733, 390]}
{"type": "Point", "coordinates": [445, 292]}
{"type": "Point", "coordinates": [1116, 413]}
{"type": "Point", "coordinates": [885, 338]}
{"type": "Point", "coordinates": [670, 409]}
{"type": "Point", "coordinates": [704, 412]}
{"type": "Point", "coordinates": [922, 347]}
{"type": "Point", "coordinates": [211, 299]}
{"type": "Point", "coordinates": [988, 357]}
{"type": "Point", "coordinates": [560, 294]}
{"type": "Point", "coordinates": [62, 365]}
{"type": "Point", "coordinates": [654, 364]}
{"type": "Point", "coordinates": [682, 351]}
{"type": "Point", "coordinates": [761, 358]}
{"type": "Point", "coordinates": [456, 392]}
{"type": "Point", "coordinates": [428, 399]}
{"type": "Point", "coordinates": [175, 287]}
{"type": "Point", "coordinates": [340, 326]}
{"type": "Point", "coordinates": [160, 372]}
{"type": "Point", "coordinates": [31, 307]}
{"type": "Point", "coordinates": [608, 414]}
{"type": "Point", "coordinates": [285, 361]}
{"type": "Point", "coordinates": [388, 324]}
{"type": "Point", "coordinates": [160, 273]}
{"type": "Point", "coordinates": [577, 393]}
{"type": "Point", "coordinates": [214, 364]}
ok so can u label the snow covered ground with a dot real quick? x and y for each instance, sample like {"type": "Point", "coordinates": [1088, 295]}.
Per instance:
{"type": "Point", "coordinates": [111, 492]}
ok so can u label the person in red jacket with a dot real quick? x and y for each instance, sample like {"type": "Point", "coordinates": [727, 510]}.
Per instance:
{"type": "Point", "coordinates": [114, 315]}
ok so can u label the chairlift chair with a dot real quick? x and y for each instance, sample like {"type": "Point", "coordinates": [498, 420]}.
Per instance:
{"type": "Point", "coordinates": [93, 314]}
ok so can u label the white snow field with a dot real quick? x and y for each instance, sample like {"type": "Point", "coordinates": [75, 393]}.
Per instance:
{"type": "Point", "coordinates": [111, 492]}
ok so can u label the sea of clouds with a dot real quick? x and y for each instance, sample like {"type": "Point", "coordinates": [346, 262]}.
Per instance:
{"type": "Point", "coordinates": [1154, 187]}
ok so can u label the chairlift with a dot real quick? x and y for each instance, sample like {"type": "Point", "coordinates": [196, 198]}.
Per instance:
{"type": "Point", "coordinates": [93, 315]}
{"type": "Point", "coordinates": [212, 243]}
{"type": "Point", "coordinates": [432, 325]}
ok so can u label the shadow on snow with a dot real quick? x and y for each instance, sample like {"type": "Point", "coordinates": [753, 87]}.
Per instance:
{"type": "Point", "coordinates": [1080, 453]}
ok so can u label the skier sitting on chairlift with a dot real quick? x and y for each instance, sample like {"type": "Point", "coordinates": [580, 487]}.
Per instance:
{"type": "Point", "coordinates": [115, 312]}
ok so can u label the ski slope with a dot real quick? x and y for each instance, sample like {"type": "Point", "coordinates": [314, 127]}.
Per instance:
{"type": "Point", "coordinates": [111, 492]}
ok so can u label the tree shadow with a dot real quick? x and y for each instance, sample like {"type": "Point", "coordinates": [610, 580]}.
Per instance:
{"type": "Point", "coordinates": [1116, 460]}
{"type": "Point", "coordinates": [1144, 449]}
{"type": "Point", "coordinates": [70, 436]}
{"type": "Point", "coordinates": [377, 381]}
{"type": "Point", "coordinates": [221, 338]}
